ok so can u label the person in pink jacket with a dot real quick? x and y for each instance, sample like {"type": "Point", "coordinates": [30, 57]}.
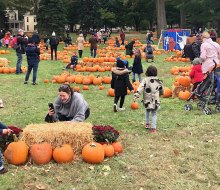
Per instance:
{"type": "Point", "coordinates": [209, 51]}
{"type": "Point", "coordinates": [196, 74]}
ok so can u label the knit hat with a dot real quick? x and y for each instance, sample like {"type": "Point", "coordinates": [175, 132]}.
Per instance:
{"type": "Point", "coordinates": [196, 61]}
{"type": "Point", "coordinates": [53, 34]}
{"type": "Point", "coordinates": [74, 53]}
{"type": "Point", "coordinates": [120, 64]}
{"type": "Point", "coordinates": [20, 30]}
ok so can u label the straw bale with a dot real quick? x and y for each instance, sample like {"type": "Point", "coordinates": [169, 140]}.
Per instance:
{"type": "Point", "coordinates": [77, 134]}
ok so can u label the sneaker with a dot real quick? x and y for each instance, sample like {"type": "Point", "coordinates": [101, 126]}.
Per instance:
{"type": "Point", "coordinates": [3, 171]}
{"type": "Point", "coordinates": [121, 109]}
{"type": "Point", "coordinates": [25, 82]}
{"type": "Point", "coordinates": [147, 126]}
{"type": "Point", "coordinates": [153, 131]}
{"type": "Point", "coordinates": [115, 108]}
{"type": "Point", "coordinates": [34, 83]}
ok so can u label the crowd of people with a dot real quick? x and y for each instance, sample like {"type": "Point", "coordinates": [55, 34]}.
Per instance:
{"type": "Point", "coordinates": [71, 106]}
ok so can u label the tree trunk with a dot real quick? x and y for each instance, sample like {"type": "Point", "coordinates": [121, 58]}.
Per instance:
{"type": "Point", "coordinates": [161, 16]}
{"type": "Point", "coordinates": [182, 18]}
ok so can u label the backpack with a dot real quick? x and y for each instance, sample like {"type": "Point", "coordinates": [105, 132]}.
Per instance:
{"type": "Point", "coordinates": [14, 44]}
{"type": "Point", "coordinates": [196, 49]}
{"type": "Point", "coordinates": [53, 41]}
{"type": "Point", "coordinates": [149, 50]}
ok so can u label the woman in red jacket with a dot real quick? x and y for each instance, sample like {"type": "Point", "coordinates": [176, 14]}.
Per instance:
{"type": "Point", "coordinates": [196, 73]}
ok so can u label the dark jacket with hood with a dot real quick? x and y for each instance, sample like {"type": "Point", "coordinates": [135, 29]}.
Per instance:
{"type": "Point", "coordinates": [120, 81]}
{"type": "Point", "coordinates": [33, 54]}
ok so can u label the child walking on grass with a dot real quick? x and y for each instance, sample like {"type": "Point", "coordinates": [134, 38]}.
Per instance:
{"type": "Point", "coordinates": [120, 82]}
{"type": "Point", "coordinates": [151, 87]}
{"type": "Point", "coordinates": [3, 130]}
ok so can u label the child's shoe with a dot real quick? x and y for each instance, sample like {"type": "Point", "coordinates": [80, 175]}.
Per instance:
{"type": "Point", "coordinates": [153, 130]}
{"type": "Point", "coordinates": [115, 108]}
{"type": "Point", "coordinates": [3, 171]}
{"type": "Point", "coordinates": [147, 126]}
{"type": "Point", "coordinates": [121, 109]}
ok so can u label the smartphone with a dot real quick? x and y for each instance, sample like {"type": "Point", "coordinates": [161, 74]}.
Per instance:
{"type": "Point", "coordinates": [51, 106]}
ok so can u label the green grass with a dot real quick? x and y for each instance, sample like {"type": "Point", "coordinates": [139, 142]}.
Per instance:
{"type": "Point", "coordinates": [183, 155]}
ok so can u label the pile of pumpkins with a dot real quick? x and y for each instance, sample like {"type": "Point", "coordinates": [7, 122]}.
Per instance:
{"type": "Point", "coordinates": [93, 153]}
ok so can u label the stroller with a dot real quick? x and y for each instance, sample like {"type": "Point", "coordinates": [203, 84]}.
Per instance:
{"type": "Point", "coordinates": [208, 92]}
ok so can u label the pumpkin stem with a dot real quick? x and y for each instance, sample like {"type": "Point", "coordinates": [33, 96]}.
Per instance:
{"type": "Point", "coordinates": [107, 141]}
{"type": "Point", "coordinates": [92, 144]}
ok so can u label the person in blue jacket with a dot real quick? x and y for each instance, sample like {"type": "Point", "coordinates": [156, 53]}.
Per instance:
{"type": "Point", "coordinates": [33, 59]}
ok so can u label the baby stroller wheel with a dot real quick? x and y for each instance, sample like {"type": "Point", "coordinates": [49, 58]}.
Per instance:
{"type": "Point", "coordinates": [217, 109]}
{"type": "Point", "coordinates": [188, 107]}
{"type": "Point", "coordinates": [200, 105]}
{"type": "Point", "coordinates": [207, 111]}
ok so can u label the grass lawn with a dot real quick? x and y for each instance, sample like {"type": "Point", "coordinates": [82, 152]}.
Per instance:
{"type": "Point", "coordinates": [183, 155]}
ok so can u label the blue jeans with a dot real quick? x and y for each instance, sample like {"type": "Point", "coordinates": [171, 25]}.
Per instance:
{"type": "Point", "coordinates": [154, 118]}
{"type": "Point", "coordinates": [91, 52]}
{"type": "Point", "coordinates": [133, 77]}
{"type": "Point", "coordinates": [1, 161]}
{"type": "Point", "coordinates": [31, 66]}
{"type": "Point", "coordinates": [19, 62]}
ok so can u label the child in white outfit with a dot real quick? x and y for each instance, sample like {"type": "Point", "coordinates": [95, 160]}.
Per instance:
{"type": "Point", "coordinates": [151, 87]}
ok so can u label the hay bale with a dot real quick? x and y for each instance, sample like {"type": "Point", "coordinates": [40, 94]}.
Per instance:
{"type": "Point", "coordinates": [77, 134]}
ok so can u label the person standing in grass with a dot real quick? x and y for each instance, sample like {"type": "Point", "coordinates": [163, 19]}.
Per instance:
{"type": "Point", "coordinates": [120, 82]}
{"type": "Point", "coordinates": [151, 87]}
{"type": "Point", "coordinates": [93, 45]}
{"type": "Point", "coordinates": [33, 59]}
{"type": "Point", "coordinates": [80, 41]}
{"type": "Point", "coordinates": [137, 66]}
{"type": "Point", "coordinates": [3, 130]}
{"type": "Point", "coordinates": [54, 41]}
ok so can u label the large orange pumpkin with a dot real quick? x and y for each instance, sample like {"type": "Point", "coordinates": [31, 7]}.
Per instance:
{"type": "Point", "coordinates": [41, 153]}
{"type": "Point", "coordinates": [63, 154]}
{"type": "Point", "coordinates": [117, 147]}
{"type": "Point", "coordinates": [109, 150]}
{"type": "Point", "coordinates": [93, 153]}
{"type": "Point", "coordinates": [16, 153]}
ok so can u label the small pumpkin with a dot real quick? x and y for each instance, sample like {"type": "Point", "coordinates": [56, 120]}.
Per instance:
{"type": "Point", "coordinates": [134, 105]}
{"type": "Point", "coordinates": [117, 147]}
{"type": "Point", "coordinates": [184, 95]}
{"type": "Point", "coordinates": [16, 153]}
{"type": "Point", "coordinates": [41, 153]}
{"type": "Point", "coordinates": [93, 153]}
{"type": "Point", "coordinates": [109, 150]}
{"type": "Point", "coordinates": [167, 93]}
{"type": "Point", "coordinates": [63, 154]}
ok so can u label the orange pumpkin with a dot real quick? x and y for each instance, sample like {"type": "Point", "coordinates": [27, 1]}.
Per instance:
{"type": "Point", "coordinates": [134, 105]}
{"type": "Point", "coordinates": [109, 150]}
{"type": "Point", "coordinates": [16, 153]}
{"type": "Point", "coordinates": [85, 87]}
{"type": "Point", "coordinates": [184, 81]}
{"type": "Point", "coordinates": [63, 154]}
{"type": "Point", "coordinates": [46, 81]}
{"type": "Point", "coordinates": [76, 89]}
{"type": "Point", "coordinates": [167, 93]}
{"type": "Point", "coordinates": [184, 95]}
{"type": "Point", "coordinates": [93, 153]}
{"type": "Point", "coordinates": [117, 147]}
{"type": "Point", "coordinates": [97, 81]}
{"type": "Point", "coordinates": [101, 87]}
{"type": "Point", "coordinates": [41, 153]}
{"type": "Point", "coordinates": [111, 92]}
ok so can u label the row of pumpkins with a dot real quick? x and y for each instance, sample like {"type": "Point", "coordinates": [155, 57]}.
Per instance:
{"type": "Point", "coordinates": [93, 153]}
{"type": "Point", "coordinates": [8, 70]}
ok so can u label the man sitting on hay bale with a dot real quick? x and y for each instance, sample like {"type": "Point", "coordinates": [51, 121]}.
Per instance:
{"type": "Point", "coordinates": [69, 106]}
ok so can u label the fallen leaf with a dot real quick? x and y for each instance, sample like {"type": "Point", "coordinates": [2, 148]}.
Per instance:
{"type": "Point", "coordinates": [191, 146]}
{"type": "Point", "coordinates": [106, 173]}
{"type": "Point", "coordinates": [176, 152]}
{"type": "Point", "coordinates": [91, 167]}
{"type": "Point", "coordinates": [40, 187]}
{"type": "Point", "coordinates": [151, 155]}
{"type": "Point", "coordinates": [106, 168]}
{"type": "Point", "coordinates": [59, 179]}
{"type": "Point", "coordinates": [166, 139]}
